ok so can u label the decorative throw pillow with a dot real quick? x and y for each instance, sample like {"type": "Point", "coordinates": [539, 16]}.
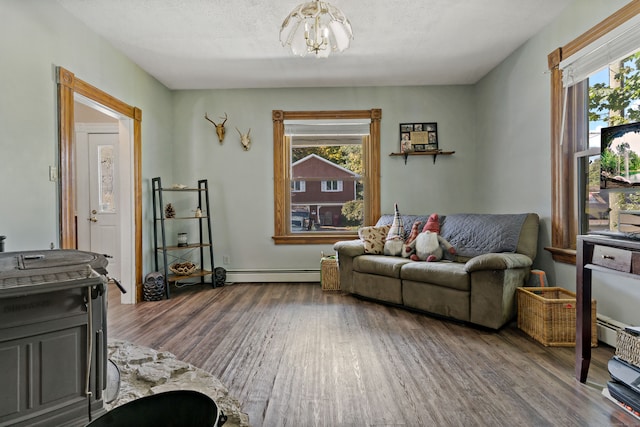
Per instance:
{"type": "Point", "coordinates": [373, 238]}
{"type": "Point", "coordinates": [409, 248]}
{"type": "Point", "coordinates": [395, 237]}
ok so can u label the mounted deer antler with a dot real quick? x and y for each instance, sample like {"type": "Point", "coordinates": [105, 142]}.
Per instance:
{"type": "Point", "coordinates": [245, 140]}
{"type": "Point", "coordinates": [219, 126]}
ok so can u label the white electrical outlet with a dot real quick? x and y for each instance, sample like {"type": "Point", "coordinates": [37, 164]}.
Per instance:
{"type": "Point", "coordinates": [226, 260]}
{"type": "Point", "coordinates": [53, 173]}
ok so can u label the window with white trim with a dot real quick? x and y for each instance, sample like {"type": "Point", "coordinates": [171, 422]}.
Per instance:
{"type": "Point", "coordinates": [339, 147]}
{"type": "Point", "coordinates": [298, 186]}
{"type": "Point", "coordinates": [331, 186]}
{"type": "Point", "coordinates": [577, 205]}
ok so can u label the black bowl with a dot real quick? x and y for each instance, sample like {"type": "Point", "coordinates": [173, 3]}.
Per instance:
{"type": "Point", "coordinates": [179, 408]}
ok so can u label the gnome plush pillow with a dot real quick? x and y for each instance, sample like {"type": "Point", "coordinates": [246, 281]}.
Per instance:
{"type": "Point", "coordinates": [395, 238]}
{"type": "Point", "coordinates": [409, 248]}
{"type": "Point", "coordinates": [429, 245]}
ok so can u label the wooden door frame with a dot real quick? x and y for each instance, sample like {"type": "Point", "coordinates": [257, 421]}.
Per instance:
{"type": "Point", "coordinates": [68, 86]}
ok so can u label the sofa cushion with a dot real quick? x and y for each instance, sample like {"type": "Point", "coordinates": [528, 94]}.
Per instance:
{"type": "Point", "coordinates": [380, 264]}
{"type": "Point", "coordinates": [495, 261]}
{"type": "Point", "coordinates": [443, 273]}
{"type": "Point", "coordinates": [374, 238]}
{"type": "Point", "coordinates": [439, 300]}
{"type": "Point", "coordinates": [381, 288]}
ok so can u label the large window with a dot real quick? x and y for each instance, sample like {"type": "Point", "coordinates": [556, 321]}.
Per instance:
{"type": "Point", "coordinates": [326, 174]}
{"type": "Point", "coordinates": [583, 87]}
{"type": "Point", "coordinates": [614, 97]}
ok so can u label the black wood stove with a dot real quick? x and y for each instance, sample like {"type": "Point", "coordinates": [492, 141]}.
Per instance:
{"type": "Point", "coordinates": [53, 337]}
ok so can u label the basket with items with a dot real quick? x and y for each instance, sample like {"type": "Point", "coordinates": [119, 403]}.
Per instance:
{"type": "Point", "coordinates": [183, 268]}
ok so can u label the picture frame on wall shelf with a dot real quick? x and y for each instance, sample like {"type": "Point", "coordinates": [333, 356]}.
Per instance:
{"type": "Point", "coordinates": [419, 137]}
{"type": "Point", "coordinates": [405, 142]}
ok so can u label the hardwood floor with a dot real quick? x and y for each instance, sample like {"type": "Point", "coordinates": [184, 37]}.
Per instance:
{"type": "Point", "coordinates": [297, 356]}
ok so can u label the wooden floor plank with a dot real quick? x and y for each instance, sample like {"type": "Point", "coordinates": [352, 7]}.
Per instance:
{"type": "Point", "coordinates": [297, 356]}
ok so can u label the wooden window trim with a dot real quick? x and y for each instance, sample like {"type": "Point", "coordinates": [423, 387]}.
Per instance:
{"type": "Point", "coordinates": [281, 186]}
{"type": "Point", "coordinates": [564, 220]}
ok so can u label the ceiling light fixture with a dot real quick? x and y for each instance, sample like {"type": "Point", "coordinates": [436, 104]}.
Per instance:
{"type": "Point", "coordinates": [316, 27]}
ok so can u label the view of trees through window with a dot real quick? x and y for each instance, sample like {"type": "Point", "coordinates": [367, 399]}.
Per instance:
{"type": "Point", "coordinates": [614, 99]}
{"type": "Point", "coordinates": [333, 196]}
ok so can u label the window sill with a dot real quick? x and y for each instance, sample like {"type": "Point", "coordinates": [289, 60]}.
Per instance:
{"type": "Point", "coordinates": [313, 239]}
{"type": "Point", "coordinates": [566, 256]}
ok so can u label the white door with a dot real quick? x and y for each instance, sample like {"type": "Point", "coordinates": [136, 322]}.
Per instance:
{"type": "Point", "coordinates": [98, 209]}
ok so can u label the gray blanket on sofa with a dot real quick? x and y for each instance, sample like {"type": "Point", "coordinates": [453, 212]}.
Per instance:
{"type": "Point", "coordinates": [472, 234]}
{"type": "Point", "coordinates": [476, 234]}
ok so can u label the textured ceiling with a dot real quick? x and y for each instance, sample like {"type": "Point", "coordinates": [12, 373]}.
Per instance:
{"type": "Point", "coordinates": [209, 44]}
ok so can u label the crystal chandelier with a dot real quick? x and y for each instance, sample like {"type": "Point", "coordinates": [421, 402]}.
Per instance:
{"type": "Point", "coordinates": [316, 27]}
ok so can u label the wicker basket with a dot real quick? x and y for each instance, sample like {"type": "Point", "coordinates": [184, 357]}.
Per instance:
{"type": "Point", "coordinates": [183, 269]}
{"type": "Point", "coordinates": [548, 315]}
{"type": "Point", "coordinates": [628, 347]}
{"type": "Point", "coordinates": [329, 274]}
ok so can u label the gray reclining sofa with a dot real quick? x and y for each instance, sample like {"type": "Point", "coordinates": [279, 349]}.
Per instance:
{"type": "Point", "coordinates": [494, 256]}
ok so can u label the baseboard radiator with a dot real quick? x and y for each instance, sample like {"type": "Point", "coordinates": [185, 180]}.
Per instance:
{"type": "Point", "coordinates": [273, 275]}
{"type": "Point", "coordinates": [608, 329]}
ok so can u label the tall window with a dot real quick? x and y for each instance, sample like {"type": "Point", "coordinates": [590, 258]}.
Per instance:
{"type": "Point", "coordinates": [579, 92]}
{"type": "Point", "coordinates": [614, 97]}
{"type": "Point", "coordinates": [334, 156]}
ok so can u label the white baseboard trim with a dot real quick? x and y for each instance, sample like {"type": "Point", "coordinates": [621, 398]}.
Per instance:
{"type": "Point", "coordinates": [252, 276]}
{"type": "Point", "coordinates": [608, 329]}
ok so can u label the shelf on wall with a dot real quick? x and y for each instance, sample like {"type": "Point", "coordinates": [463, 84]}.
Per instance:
{"type": "Point", "coordinates": [422, 153]}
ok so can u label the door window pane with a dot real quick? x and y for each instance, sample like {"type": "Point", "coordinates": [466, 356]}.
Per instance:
{"type": "Point", "coordinates": [106, 171]}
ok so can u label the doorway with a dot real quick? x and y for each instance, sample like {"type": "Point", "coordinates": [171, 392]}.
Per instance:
{"type": "Point", "coordinates": [129, 119]}
{"type": "Point", "coordinates": [99, 198]}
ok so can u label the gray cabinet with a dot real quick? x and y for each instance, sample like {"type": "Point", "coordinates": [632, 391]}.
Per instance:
{"type": "Point", "coordinates": [42, 369]}
{"type": "Point", "coordinates": [52, 347]}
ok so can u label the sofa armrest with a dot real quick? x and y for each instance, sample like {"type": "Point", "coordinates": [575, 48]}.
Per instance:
{"type": "Point", "coordinates": [347, 250]}
{"type": "Point", "coordinates": [350, 248]}
{"type": "Point", "coordinates": [497, 261]}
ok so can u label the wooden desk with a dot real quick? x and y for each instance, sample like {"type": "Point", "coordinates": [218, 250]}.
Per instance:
{"type": "Point", "coordinates": [608, 255]}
